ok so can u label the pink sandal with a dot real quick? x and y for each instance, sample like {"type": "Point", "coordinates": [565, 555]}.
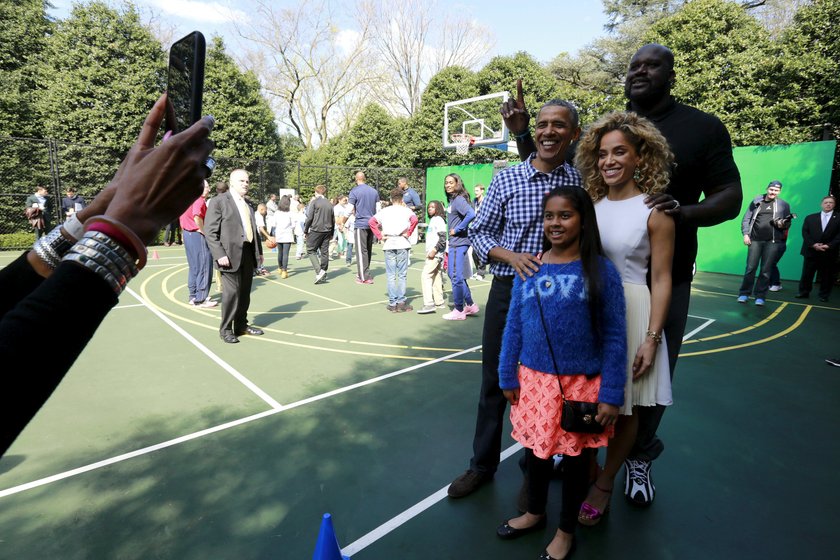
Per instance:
{"type": "Point", "coordinates": [589, 515]}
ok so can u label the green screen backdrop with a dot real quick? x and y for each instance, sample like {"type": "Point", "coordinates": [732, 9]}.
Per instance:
{"type": "Point", "coordinates": [803, 169]}
{"type": "Point", "coordinates": [805, 173]}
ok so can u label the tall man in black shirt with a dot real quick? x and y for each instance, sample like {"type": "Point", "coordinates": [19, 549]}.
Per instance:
{"type": "Point", "coordinates": [703, 166]}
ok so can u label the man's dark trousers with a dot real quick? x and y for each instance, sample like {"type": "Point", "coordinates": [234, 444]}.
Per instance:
{"type": "Point", "coordinates": [487, 443]}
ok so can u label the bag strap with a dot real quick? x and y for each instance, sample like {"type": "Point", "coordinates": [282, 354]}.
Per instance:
{"type": "Point", "coordinates": [548, 341]}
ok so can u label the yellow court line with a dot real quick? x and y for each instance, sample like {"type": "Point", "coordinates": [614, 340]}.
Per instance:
{"type": "Point", "coordinates": [755, 342]}
{"type": "Point", "coordinates": [740, 331]}
{"type": "Point", "coordinates": [144, 292]}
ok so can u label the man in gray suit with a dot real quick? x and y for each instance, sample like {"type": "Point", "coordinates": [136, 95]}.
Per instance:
{"type": "Point", "coordinates": [235, 245]}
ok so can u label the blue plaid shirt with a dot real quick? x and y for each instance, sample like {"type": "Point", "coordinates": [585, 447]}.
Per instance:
{"type": "Point", "coordinates": [510, 215]}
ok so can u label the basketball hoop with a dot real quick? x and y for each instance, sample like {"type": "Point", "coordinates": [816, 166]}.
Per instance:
{"type": "Point", "coordinates": [462, 143]}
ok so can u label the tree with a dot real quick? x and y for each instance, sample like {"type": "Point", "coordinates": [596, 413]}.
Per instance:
{"type": "Point", "coordinates": [245, 126]}
{"type": "Point", "coordinates": [307, 66]}
{"type": "Point", "coordinates": [417, 39]}
{"type": "Point", "coordinates": [727, 65]}
{"type": "Point", "coordinates": [102, 71]}
{"type": "Point", "coordinates": [22, 38]}
{"type": "Point", "coordinates": [374, 140]}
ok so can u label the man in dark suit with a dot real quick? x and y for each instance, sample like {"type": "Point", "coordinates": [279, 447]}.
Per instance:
{"type": "Point", "coordinates": [820, 247]}
{"type": "Point", "coordinates": [235, 245]}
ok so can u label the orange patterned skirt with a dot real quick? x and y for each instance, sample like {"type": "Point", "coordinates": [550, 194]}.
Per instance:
{"type": "Point", "coordinates": [536, 419]}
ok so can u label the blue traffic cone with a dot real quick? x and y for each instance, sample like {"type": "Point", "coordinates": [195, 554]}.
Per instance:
{"type": "Point", "coordinates": [327, 546]}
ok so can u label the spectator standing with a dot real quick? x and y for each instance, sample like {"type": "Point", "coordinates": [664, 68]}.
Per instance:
{"type": "Point", "coordinates": [764, 228]}
{"type": "Point", "coordinates": [431, 278]}
{"type": "Point", "coordinates": [393, 225]}
{"type": "Point", "coordinates": [39, 211]}
{"type": "Point", "coordinates": [284, 233]}
{"type": "Point", "coordinates": [71, 203]}
{"type": "Point", "coordinates": [459, 215]}
{"type": "Point", "coordinates": [820, 247]}
{"type": "Point", "coordinates": [364, 199]}
{"type": "Point", "coordinates": [480, 267]}
{"type": "Point", "coordinates": [199, 259]}
{"type": "Point", "coordinates": [235, 245]}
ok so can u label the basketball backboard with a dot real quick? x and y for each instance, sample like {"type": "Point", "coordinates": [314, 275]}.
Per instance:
{"type": "Point", "coordinates": [478, 117]}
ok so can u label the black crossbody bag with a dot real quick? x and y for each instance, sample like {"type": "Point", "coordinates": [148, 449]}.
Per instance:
{"type": "Point", "coordinates": [577, 416]}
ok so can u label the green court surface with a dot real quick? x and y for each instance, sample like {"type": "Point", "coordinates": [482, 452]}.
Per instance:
{"type": "Point", "coordinates": [163, 442]}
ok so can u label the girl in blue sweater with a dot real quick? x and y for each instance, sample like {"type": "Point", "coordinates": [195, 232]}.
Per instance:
{"type": "Point", "coordinates": [575, 301]}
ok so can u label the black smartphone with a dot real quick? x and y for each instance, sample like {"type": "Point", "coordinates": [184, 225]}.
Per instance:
{"type": "Point", "coordinates": [185, 82]}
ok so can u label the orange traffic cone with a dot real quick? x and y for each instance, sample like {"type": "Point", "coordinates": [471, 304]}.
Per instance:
{"type": "Point", "coordinates": [155, 255]}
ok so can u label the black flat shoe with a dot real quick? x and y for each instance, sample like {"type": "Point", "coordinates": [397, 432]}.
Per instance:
{"type": "Point", "coordinates": [546, 556]}
{"type": "Point", "coordinates": [251, 330]}
{"type": "Point", "coordinates": [230, 338]}
{"type": "Point", "coordinates": [507, 532]}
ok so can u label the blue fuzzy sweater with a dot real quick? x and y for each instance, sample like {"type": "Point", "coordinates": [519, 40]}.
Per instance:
{"type": "Point", "coordinates": [566, 310]}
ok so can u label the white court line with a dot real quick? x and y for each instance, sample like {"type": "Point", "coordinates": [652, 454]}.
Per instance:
{"type": "Point", "coordinates": [129, 306]}
{"type": "Point", "coordinates": [410, 513]}
{"type": "Point", "coordinates": [209, 353]}
{"type": "Point", "coordinates": [698, 329]}
{"type": "Point", "coordinates": [132, 454]}
{"type": "Point", "coordinates": [208, 431]}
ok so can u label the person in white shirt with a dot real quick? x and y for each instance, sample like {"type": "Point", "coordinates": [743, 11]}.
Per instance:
{"type": "Point", "coordinates": [431, 278]}
{"type": "Point", "coordinates": [393, 225]}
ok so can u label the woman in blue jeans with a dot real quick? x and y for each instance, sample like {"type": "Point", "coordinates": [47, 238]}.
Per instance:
{"type": "Point", "coordinates": [459, 214]}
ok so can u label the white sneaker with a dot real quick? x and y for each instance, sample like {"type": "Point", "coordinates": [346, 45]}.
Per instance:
{"type": "Point", "coordinates": [320, 277]}
{"type": "Point", "coordinates": [426, 309]}
{"type": "Point", "coordinates": [207, 303]}
{"type": "Point", "coordinates": [776, 288]}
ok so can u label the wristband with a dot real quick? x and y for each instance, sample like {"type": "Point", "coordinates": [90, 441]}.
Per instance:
{"type": "Point", "coordinates": [121, 234]}
{"type": "Point", "coordinates": [74, 227]}
{"type": "Point", "coordinates": [523, 135]}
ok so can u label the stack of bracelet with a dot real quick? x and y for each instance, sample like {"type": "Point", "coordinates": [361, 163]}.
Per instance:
{"type": "Point", "coordinates": [107, 248]}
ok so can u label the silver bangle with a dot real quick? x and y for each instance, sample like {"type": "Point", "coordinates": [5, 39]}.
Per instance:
{"type": "Point", "coordinates": [117, 248]}
{"type": "Point", "coordinates": [52, 246]}
{"type": "Point", "coordinates": [97, 254]}
{"type": "Point", "coordinates": [95, 267]}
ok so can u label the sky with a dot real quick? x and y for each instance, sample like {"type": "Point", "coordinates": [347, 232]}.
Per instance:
{"type": "Point", "coordinates": [517, 25]}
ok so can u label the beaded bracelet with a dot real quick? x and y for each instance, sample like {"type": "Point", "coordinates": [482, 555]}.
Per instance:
{"type": "Point", "coordinates": [119, 233]}
{"type": "Point", "coordinates": [657, 338]}
{"type": "Point", "coordinates": [523, 135]}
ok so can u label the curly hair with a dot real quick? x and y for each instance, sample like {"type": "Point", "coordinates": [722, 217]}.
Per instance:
{"type": "Point", "coordinates": [655, 156]}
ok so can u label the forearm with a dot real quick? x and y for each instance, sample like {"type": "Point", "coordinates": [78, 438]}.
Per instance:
{"type": "Point", "coordinates": [525, 145]}
{"type": "Point", "coordinates": [719, 206]}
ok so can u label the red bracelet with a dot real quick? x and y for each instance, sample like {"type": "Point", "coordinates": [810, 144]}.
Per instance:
{"type": "Point", "coordinates": [121, 234]}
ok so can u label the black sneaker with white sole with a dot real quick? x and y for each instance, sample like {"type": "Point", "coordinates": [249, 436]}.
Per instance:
{"type": "Point", "coordinates": [638, 484]}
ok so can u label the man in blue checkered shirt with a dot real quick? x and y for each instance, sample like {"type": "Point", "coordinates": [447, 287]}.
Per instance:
{"type": "Point", "coordinates": [508, 233]}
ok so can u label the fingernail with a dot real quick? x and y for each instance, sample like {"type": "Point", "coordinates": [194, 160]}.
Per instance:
{"type": "Point", "coordinates": [166, 136]}
{"type": "Point", "coordinates": [211, 120]}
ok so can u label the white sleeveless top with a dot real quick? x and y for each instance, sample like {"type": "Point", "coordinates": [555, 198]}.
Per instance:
{"type": "Point", "coordinates": [624, 236]}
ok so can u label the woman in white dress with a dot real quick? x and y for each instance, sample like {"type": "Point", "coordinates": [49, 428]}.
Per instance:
{"type": "Point", "coordinates": [623, 158]}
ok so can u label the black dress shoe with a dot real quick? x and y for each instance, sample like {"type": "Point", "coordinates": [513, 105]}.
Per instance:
{"type": "Point", "coordinates": [229, 337]}
{"type": "Point", "coordinates": [251, 330]}
{"type": "Point", "coordinates": [507, 532]}
{"type": "Point", "coordinates": [801, 296]}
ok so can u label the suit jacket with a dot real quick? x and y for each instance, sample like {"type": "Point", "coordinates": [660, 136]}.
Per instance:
{"type": "Point", "coordinates": [225, 234]}
{"type": "Point", "coordinates": [812, 232]}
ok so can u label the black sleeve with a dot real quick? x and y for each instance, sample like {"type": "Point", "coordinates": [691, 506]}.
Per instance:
{"type": "Point", "coordinates": [42, 335]}
{"type": "Point", "coordinates": [16, 282]}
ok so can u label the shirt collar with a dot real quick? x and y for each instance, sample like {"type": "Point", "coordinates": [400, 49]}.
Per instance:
{"type": "Point", "coordinates": [531, 171]}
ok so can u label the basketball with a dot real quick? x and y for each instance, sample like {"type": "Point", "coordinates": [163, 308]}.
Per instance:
{"type": "Point", "coordinates": [270, 243]}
